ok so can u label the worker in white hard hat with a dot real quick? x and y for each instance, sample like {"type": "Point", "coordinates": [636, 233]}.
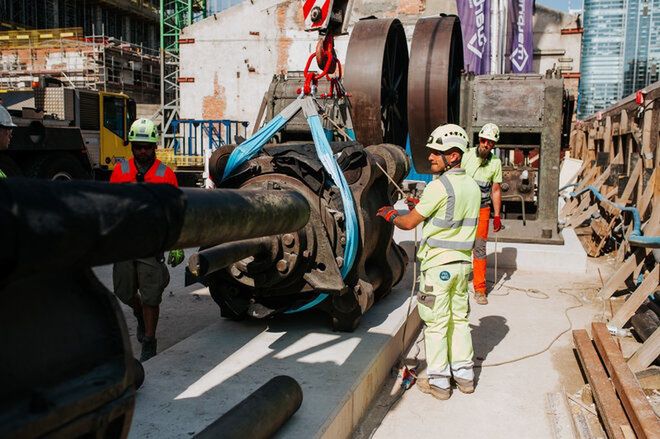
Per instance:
{"type": "Point", "coordinates": [449, 209]}
{"type": "Point", "coordinates": [485, 167]}
{"type": "Point", "coordinates": [6, 127]}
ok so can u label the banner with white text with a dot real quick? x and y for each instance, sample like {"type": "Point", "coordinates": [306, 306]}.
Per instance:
{"type": "Point", "coordinates": [475, 24]}
{"type": "Point", "coordinates": [521, 47]}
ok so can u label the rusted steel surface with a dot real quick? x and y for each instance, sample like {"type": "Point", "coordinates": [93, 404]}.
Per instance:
{"type": "Point", "coordinates": [641, 414]}
{"type": "Point", "coordinates": [238, 215]}
{"type": "Point", "coordinates": [608, 404]}
{"type": "Point", "coordinates": [376, 78]}
{"type": "Point", "coordinates": [434, 75]}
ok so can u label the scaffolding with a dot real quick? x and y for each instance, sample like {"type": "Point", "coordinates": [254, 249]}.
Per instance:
{"type": "Point", "coordinates": [95, 62]}
{"type": "Point", "coordinates": [174, 16]}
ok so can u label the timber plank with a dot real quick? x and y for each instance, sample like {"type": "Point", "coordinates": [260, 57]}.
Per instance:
{"type": "Point", "coordinates": [642, 417]}
{"type": "Point", "coordinates": [620, 275]}
{"type": "Point", "coordinates": [608, 404]}
{"type": "Point", "coordinates": [638, 297]}
{"type": "Point", "coordinates": [646, 353]}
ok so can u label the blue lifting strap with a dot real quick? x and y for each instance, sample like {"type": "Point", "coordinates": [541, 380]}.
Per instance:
{"type": "Point", "coordinates": [251, 147]}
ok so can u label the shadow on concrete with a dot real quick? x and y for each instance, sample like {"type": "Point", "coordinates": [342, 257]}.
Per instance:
{"type": "Point", "coordinates": [490, 331]}
{"type": "Point", "coordinates": [506, 265]}
{"type": "Point", "coordinates": [199, 379]}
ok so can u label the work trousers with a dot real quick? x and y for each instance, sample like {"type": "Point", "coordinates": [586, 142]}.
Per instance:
{"type": "Point", "coordinates": [479, 252]}
{"type": "Point", "coordinates": [149, 276]}
{"type": "Point", "coordinates": [443, 306]}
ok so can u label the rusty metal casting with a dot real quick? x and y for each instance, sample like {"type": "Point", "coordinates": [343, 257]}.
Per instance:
{"type": "Point", "coordinates": [376, 77]}
{"type": "Point", "coordinates": [299, 265]}
{"type": "Point", "coordinates": [434, 77]}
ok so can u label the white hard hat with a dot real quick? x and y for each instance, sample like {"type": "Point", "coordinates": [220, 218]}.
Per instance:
{"type": "Point", "coordinates": [490, 131]}
{"type": "Point", "coordinates": [5, 118]}
{"type": "Point", "coordinates": [448, 136]}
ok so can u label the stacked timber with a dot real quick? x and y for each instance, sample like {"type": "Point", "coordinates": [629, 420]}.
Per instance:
{"type": "Point", "coordinates": [615, 209]}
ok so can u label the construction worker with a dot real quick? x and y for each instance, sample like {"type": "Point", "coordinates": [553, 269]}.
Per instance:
{"type": "Point", "coordinates": [449, 209]}
{"type": "Point", "coordinates": [149, 276]}
{"type": "Point", "coordinates": [485, 168]}
{"type": "Point", "coordinates": [6, 127]}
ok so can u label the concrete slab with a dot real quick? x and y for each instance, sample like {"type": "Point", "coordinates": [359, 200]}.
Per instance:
{"type": "Point", "coordinates": [567, 258]}
{"type": "Point", "coordinates": [194, 382]}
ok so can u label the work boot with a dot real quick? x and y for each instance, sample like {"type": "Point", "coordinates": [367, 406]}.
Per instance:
{"type": "Point", "coordinates": [465, 386]}
{"type": "Point", "coordinates": [140, 327]}
{"type": "Point", "coordinates": [148, 348]}
{"type": "Point", "coordinates": [436, 392]}
{"type": "Point", "coordinates": [480, 298]}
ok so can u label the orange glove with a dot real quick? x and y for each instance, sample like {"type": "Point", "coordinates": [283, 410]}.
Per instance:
{"type": "Point", "coordinates": [497, 224]}
{"type": "Point", "coordinates": [412, 202]}
{"type": "Point", "coordinates": [388, 213]}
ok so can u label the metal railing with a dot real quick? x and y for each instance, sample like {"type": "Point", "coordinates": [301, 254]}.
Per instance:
{"type": "Point", "coordinates": [193, 137]}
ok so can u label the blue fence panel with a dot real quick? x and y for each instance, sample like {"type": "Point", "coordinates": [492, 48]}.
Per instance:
{"type": "Point", "coordinates": [194, 136]}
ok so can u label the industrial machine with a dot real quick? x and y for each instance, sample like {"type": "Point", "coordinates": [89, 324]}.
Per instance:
{"type": "Point", "coordinates": [64, 133]}
{"type": "Point", "coordinates": [367, 110]}
{"type": "Point", "coordinates": [533, 130]}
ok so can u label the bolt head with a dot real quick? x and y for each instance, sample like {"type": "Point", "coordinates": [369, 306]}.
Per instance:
{"type": "Point", "coordinates": [288, 239]}
{"type": "Point", "coordinates": [282, 265]}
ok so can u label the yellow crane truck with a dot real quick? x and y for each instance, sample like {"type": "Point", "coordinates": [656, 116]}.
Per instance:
{"type": "Point", "coordinates": [65, 133]}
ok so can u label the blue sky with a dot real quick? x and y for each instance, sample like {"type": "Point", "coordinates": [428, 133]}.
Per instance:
{"type": "Point", "coordinates": [561, 5]}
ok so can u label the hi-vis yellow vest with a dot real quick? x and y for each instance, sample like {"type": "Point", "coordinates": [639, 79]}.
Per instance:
{"type": "Point", "coordinates": [450, 205]}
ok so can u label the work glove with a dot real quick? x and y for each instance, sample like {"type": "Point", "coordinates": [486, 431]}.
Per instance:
{"type": "Point", "coordinates": [175, 257]}
{"type": "Point", "coordinates": [497, 224]}
{"type": "Point", "coordinates": [412, 202]}
{"type": "Point", "coordinates": [388, 213]}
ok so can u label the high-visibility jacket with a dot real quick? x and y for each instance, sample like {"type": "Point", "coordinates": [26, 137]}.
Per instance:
{"type": "Point", "coordinates": [2, 174]}
{"type": "Point", "coordinates": [484, 172]}
{"type": "Point", "coordinates": [450, 205]}
{"type": "Point", "coordinates": [126, 172]}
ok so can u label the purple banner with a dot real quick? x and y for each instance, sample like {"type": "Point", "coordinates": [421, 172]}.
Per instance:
{"type": "Point", "coordinates": [475, 24]}
{"type": "Point", "coordinates": [521, 45]}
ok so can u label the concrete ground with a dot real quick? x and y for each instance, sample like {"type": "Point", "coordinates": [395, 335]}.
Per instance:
{"type": "Point", "coordinates": [510, 400]}
{"type": "Point", "coordinates": [183, 312]}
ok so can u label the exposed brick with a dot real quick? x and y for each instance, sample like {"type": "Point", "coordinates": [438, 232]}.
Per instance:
{"type": "Point", "coordinates": [214, 106]}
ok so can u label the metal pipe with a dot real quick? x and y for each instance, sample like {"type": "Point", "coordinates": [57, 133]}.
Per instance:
{"type": "Point", "coordinates": [261, 414]}
{"type": "Point", "coordinates": [63, 225]}
{"type": "Point", "coordinates": [636, 237]}
{"type": "Point", "coordinates": [522, 203]}
{"type": "Point", "coordinates": [221, 256]}
{"type": "Point", "coordinates": [223, 215]}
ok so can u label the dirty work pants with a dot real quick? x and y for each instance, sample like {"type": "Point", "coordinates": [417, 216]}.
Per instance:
{"type": "Point", "coordinates": [149, 276]}
{"type": "Point", "coordinates": [443, 306]}
{"type": "Point", "coordinates": [479, 252]}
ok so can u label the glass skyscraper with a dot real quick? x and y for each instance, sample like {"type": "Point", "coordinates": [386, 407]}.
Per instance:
{"type": "Point", "coordinates": [620, 51]}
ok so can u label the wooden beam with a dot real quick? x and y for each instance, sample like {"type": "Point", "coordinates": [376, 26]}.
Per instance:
{"type": "Point", "coordinates": [618, 278]}
{"type": "Point", "coordinates": [576, 220]}
{"type": "Point", "coordinates": [642, 417]}
{"type": "Point", "coordinates": [646, 354]}
{"type": "Point", "coordinates": [636, 299]}
{"type": "Point", "coordinates": [608, 404]}
{"type": "Point", "coordinates": [630, 185]}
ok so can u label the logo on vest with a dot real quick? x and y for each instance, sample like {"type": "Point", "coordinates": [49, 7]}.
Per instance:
{"type": "Point", "coordinates": [444, 275]}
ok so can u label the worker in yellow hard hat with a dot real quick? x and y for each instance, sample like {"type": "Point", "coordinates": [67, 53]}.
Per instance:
{"type": "Point", "coordinates": [449, 209]}
{"type": "Point", "coordinates": [485, 167]}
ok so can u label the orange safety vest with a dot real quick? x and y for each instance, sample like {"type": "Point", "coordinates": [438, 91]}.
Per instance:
{"type": "Point", "coordinates": [126, 172]}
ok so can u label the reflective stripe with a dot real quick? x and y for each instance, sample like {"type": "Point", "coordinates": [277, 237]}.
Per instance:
{"type": "Point", "coordinates": [450, 224]}
{"type": "Point", "coordinates": [453, 245]}
{"type": "Point", "coordinates": [125, 167]}
{"type": "Point", "coordinates": [160, 172]}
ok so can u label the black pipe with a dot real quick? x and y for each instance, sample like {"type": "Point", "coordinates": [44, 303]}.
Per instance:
{"type": "Point", "coordinates": [52, 226]}
{"type": "Point", "coordinates": [223, 215]}
{"type": "Point", "coordinates": [221, 256]}
{"type": "Point", "coordinates": [259, 415]}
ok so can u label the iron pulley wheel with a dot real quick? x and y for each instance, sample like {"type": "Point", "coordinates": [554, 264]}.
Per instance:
{"type": "Point", "coordinates": [375, 78]}
{"type": "Point", "coordinates": [434, 78]}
